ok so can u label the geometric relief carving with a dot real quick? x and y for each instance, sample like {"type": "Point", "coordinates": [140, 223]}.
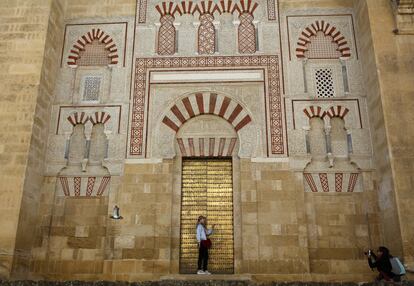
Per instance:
{"type": "Point", "coordinates": [247, 31]}
{"type": "Point", "coordinates": [166, 32]}
{"type": "Point", "coordinates": [166, 36]}
{"type": "Point", "coordinates": [322, 47]}
{"type": "Point", "coordinates": [320, 40]}
{"type": "Point", "coordinates": [91, 88]}
{"type": "Point", "coordinates": [323, 177]}
{"type": "Point", "coordinates": [324, 83]}
{"type": "Point", "coordinates": [247, 34]}
{"type": "Point", "coordinates": [271, 10]}
{"type": "Point", "coordinates": [273, 96]}
{"type": "Point", "coordinates": [206, 35]}
{"type": "Point", "coordinates": [95, 48]}
{"type": "Point", "coordinates": [83, 186]}
{"type": "Point", "coordinates": [353, 178]}
{"type": "Point", "coordinates": [77, 186]}
{"type": "Point", "coordinates": [337, 182]}
{"type": "Point", "coordinates": [142, 11]}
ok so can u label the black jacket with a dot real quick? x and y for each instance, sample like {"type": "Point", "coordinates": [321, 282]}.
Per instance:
{"type": "Point", "coordinates": [383, 264]}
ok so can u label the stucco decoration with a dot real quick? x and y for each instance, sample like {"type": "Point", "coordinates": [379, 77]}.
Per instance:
{"type": "Point", "coordinates": [206, 135]}
{"type": "Point", "coordinates": [222, 123]}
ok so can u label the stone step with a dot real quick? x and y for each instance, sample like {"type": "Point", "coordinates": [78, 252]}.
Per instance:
{"type": "Point", "coordinates": [212, 277]}
{"type": "Point", "coordinates": [190, 280]}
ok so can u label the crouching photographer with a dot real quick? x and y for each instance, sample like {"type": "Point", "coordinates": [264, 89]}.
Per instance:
{"type": "Point", "coordinates": [389, 268]}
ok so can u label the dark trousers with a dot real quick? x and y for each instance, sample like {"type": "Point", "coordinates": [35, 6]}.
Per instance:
{"type": "Point", "coordinates": [202, 257]}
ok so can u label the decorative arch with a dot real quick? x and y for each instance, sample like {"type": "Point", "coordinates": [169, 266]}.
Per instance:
{"type": "Point", "coordinates": [185, 8]}
{"type": "Point", "coordinates": [314, 111]}
{"type": "Point", "coordinates": [312, 33]}
{"type": "Point", "coordinates": [94, 36]}
{"type": "Point", "coordinates": [206, 103]}
{"type": "Point", "coordinates": [218, 139]}
{"type": "Point", "coordinates": [246, 30]}
{"type": "Point", "coordinates": [227, 6]}
{"type": "Point", "coordinates": [337, 111]}
{"type": "Point", "coordinates": [99, 117]}
{"type": "Point", "coordinates": [247, 6]}
{"type": "Point", "coordinates": [206, 7]}
{"type": "Point", "coordinates": [166, 32]}
{"type": "Point", "coordinates": [78, 118]}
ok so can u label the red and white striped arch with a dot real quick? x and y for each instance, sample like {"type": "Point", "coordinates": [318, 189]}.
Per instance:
{"type": "Point", "coordinates": [337, 111]}
{"type": "Point", "coordinates": [314, 111]}
{"type": "Point", "coordinates": [88, 38]}
{"type": "Point", "coordinates": [203, 7]}
{"type": "Point", "coordinates": [166, 8]}
{"type": "Point", "coordinates": [99, 117]}
{"type": "Point", "coordinates": [227, 6]}
{"type": "Point", "coordinates": [185, 7]}
{"type": "Point", "coordinates": [207, 103]}
{"type": "Point", "coordinates": [207, 147]}
{"type": "Point", "coordinates": [247, 6]}
{"type": "Point", "coordinates": [78, 118]}
{"type": "Point", "coordinates": [329, 31]}
{"type": "Point", "coordinates": [209, 7]}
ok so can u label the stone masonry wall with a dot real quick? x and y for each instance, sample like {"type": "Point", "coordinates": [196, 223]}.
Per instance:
{"type": "Point", "coordinates": [390, 94]}
{"type": "Point", "coordinates": [27, 80]}
{"type": "Point", "coordinates": [140, 244]}
{"type": "Point", "coordinates": [36, 161]}
{"type": "Point", "coordinates": [339, 231]}
{"type": "Point", "coordinates": [78, 240]}
{"type": "Point", "coordinates": [273, 220]}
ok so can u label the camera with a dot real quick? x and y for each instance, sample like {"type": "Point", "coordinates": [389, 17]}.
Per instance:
{"type": "Point", "coordinates": [369, 252]}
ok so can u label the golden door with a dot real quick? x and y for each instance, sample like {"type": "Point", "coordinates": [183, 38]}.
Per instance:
{"type": "Point", "coordinates": [207, 189]}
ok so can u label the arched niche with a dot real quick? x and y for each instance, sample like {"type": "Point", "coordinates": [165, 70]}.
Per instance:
{"type": "Point", "coordinates": [215, 109]}
{"type": "Point", "coordinates": [206, 136]}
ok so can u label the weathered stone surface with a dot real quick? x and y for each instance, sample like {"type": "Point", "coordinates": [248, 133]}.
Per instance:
{"type": "Point", "coordinates": [55, 211]}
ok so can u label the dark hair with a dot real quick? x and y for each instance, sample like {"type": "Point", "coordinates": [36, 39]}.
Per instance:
{"type": "Point", "coordinates": [199, 220]}
{"type": "Point", "coordinates": [385, 251]}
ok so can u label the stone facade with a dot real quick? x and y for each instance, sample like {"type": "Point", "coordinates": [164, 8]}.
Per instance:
{"type": "Point", "coordinates": [103, 100]}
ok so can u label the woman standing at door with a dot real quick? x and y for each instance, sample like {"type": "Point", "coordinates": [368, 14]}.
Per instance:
{"type": "Point", "coordinates": [204, 243]}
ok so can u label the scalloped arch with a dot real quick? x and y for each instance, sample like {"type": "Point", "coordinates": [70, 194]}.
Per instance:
{"type": "Point", "coordinates": [78, 118]}
{"type": "Point", "coordinates": [314, 111]}
{"type": "Point", "coordinates": [329, 31]}
{"type": "Point", "coordinates": [88, 38]}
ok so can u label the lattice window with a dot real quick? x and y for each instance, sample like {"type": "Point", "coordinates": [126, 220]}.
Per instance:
{"type": "Point", "coordinates": [247, 34]}
{"type": "Point", "coordinates": [94, 54]}
{"type": "Point", "coordinates": [322, 46]}
{"type": "Point", "coordinates": [91, 88]}
{"type": "Point", "coordinates": [166, 36]}
{"type": "Point", "coordinates": [324, 83]}
{"type": "Point", "coordinates": [206, 35]}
